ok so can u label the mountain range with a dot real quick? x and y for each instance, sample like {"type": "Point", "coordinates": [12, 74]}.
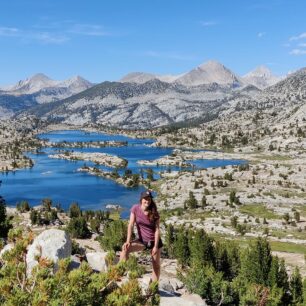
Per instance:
{"type": "Point", "coordinates": [36, 90]}
{"type": "Point", "coordinates": [142, 100]}
{"type": "Point", "coordinates": [207, 73]}
{"type": "Point", "coordinates": [40, 82]}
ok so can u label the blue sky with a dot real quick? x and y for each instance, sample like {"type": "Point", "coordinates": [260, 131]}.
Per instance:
{"type": "Point", "coordinates": [104, 40]}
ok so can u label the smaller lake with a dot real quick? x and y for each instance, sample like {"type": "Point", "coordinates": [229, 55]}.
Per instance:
{"type": "Point", "coordinates": [59, 179]}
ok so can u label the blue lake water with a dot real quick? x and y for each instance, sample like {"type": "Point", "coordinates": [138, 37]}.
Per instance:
{"type": "Point", "coordinates": [59, 179]}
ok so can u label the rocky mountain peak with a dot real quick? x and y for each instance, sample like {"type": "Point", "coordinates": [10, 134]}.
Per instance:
{"type": "Point", "coordinates": [137, 77]}
{"type": "Point", "coordinates": [210, 72]}
{"type": "Point", "coordinates": [211, 65]}
{"type": "Point", "coordinates": [260, 71]}
{"type": "Point", "coordinates": [43, 89]}
{"type": "Point", "coordinates": [76, 81]}
{"type": "Point", "coordinates": [294, 84]}
{"type": "Point", "coordinates": [39, 77]}
{"type": "Point", "coordinates": [261, 77]}
{"type": "Point", "coordinates": [33, 84]}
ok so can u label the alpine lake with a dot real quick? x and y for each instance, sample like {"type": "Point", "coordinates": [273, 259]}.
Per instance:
{"type": "Point", "coordinates": [60, 180]}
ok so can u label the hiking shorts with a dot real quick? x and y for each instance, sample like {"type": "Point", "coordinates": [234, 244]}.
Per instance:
{"type": "Point", "coordinates": [149, 245]}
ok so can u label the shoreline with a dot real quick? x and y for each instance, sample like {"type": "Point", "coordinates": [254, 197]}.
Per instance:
{"type": "Point", "coordinates": [97, 158]}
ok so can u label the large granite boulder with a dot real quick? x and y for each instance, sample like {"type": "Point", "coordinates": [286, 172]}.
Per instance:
{"type": "Point", "coordinates": [52, 244]}
{"type": "Point", "coordinates": [97, 261]}
{"type": "Point", "coordinates": [170, 284]}
{"type": "Point", "coordinates": [167, 299]}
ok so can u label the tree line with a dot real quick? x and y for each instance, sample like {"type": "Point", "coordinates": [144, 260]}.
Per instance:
{"type": "Point", "coordinates": [225, 274]}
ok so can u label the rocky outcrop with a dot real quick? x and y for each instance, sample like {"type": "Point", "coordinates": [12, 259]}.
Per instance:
{"type": "Point", "coordinates": [52, 244]}
{"type": "Point", "coordinates": [7, 248]}
{"type": "Point", "coordinates": [98, 158]}
{"type": "Point", "coordinates": [167, 299]}
{"type": "Point", "coordinates": [97, 261]}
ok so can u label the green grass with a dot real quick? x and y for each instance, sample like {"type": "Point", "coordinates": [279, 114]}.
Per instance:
{"type": "Point", "coordinates": [114, 215]}
{"type": "Point", "coordinates": [285, 232]}
{"type": "Point", "coordinates": [290, 194]}
{"type": "Point", "coordinates": [228, 150]}
{"type": "Point", "coordinates": [301, 195]}
{"type": "Point", "coordinates": [278, 233]}
{"type": "Point", "coordinates": [167, 213]}
{"type": "Point", "coordinates": [301, 209]}
{"type": "Point", "coordinates": [222, 190]}
{"type": "Point", "coordinates": [191, 214]}
{"type": "Point", "coordinates": [288, 247]}
{"type": "Point", "coordinates": [268, 194]}
{"type": "Point", "coordinates": [188, 214]}
{"type": "Point", "coordinates": [258, 210]}
{"type": "Point", "coordinates": [276, 246]}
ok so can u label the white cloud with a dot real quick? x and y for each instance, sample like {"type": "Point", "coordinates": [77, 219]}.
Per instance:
{"type": "Point", "coordinates": [47, 38]}
{"type": "Point", "coordinates": [208, 23]}
{"type": "Point", "coordinates": [53, 32]}
{"type": "Point", "coordinates": [301, 36]}
{"type": "Point", "coordinates": [6, 31]}
{"type": "Point", "coordinates": [43, 37]}
{"type": "Point", "coordinates": [298, 47]}
{"type": "Point", "coordinates": [261, 34]}
{"type": "Point", "coordinates": [298, 52]}
{"type": "Point", "coordinates": [87, 29]}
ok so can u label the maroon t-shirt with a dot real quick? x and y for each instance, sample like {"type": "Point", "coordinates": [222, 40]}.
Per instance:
{"type": "Point", "coordinates": [145, 227]}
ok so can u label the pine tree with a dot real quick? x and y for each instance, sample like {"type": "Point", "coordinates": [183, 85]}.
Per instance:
{"type": "Point", "coordinates": [192, 201]}
{"type": "Point", "coordinates": [34, 216]}
{"type": "Point", "coordinates": [77, 227]}
{"type": "Point", "coordinates": [274, 272]}
{"type": "Point", "coordinates": [181, 247]}
{"type": "Point", "coordinates": [114, 235]}
{"type": "Point", "coordinates": [256, 262]}
{"type": "Point", "coordinates": [74, 210]}
{"type": "Point", "coordinates": [47, 204]}
{"type": "Point", "coordinates": [234, 259]}
{"type": "Point", "coordinates": [2, 210]}
{"type": "Point", "coordinates": [4, 222]}
{"type": "Point", "coordinates": [204, 202]}
{"type": "Point", "coordinates": [304, 289]}
{"type": "Point", "coordinates": [297, 216]}
{"type": "Point", "coordinates": [222, 260]}
{"type": "Point", "coordinates": [283, 282]}
{"type": "Point", "coordinates": [201, 248]}
{"type": "Point", "coordinates": [233, 199]}
{"type": "Point", "coordinates": [150, 175]}
{"type": "Point", "coordinates": [169, 240]}
{"type": "Point", "coordinates": [296, 287]}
